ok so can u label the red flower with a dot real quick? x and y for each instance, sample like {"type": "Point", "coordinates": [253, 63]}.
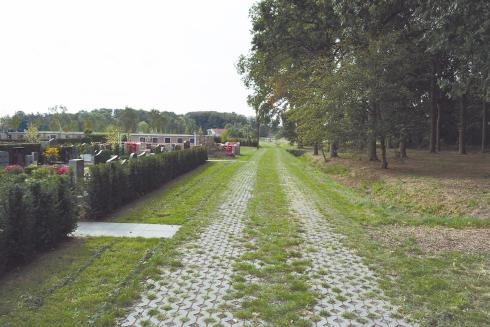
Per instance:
{"type": "Point", "coordinates": [16, 169]}
{"type": "Point", "coordinates": [62, 170]}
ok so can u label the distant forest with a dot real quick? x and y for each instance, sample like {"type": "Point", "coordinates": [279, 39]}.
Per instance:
{"type": "Point", "coordinates": [134, 120]}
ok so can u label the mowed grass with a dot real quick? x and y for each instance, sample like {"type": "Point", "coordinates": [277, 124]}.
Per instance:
{"type": "Point", "coordinates": [447, 288]}
{"type": "Point", "coordinates": [90, 282]}
{"type": "Point", "coordinates": [279, 293]}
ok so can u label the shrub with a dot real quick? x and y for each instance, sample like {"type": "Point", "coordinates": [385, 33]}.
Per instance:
{"type": "Point", "coordinates": [34, 215]}
{"type": "Point", "coordinates": [111, 185]}
{"type": "Point", "coordinates": [296, 152]}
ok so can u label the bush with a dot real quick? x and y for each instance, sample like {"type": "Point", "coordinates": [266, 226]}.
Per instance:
{"type": "Point", "coordinates": [34, 215]}
{"type": "Point", "coordinates": [296, 152]}
{"type": "Point", "coordinates": [112, 185]}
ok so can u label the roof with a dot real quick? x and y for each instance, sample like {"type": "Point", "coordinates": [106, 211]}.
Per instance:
{"type": "Point", "coordinates": [157, 135]}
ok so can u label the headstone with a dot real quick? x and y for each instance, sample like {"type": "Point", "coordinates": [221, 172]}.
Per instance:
{"type": "Point", "coordinates": [18, 156]}
{"type": "Point", "coordinates": [132, 156]}
{"type": "Point", "coordinates": [28, 160]}
{"type": "Point", "coordinates": [35, 157]}
{"type": "Point", "coordinates": [102, 156]}
{"type": "Point", "coordinates": [142, 154]}
{"type": "Point", "coordinates": [88, 158]}
{"type": "Point", "coordinates": [123, 162]}
{"type": "Point", "coordinates": [66, 153]}
{"type": "Point", "coordinates": [187, 145]}
{"type": "Point", "coordinates": [236, 149]}
{"type": "Point", "coordinates": [113, 158]}
{"type": "Point", "coordinates": [77, 166]}
{"type": "Point", "coordinates": [4, 158]}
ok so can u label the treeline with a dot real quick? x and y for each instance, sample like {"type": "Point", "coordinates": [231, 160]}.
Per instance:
{"type": "Point", "coordinates": [129, 120]}
{"type": "Point", "coordinates": [361, 73]}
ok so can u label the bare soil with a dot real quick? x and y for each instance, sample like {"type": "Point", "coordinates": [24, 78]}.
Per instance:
{"type": "Point", "coordinates": [445, 183]}
{"type": "Point", "coordinates": [435, 239]}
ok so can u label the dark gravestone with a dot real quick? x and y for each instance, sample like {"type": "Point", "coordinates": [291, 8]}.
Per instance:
{"type": "Point", "coordinates": [4, 158]}
{"type": "Point", "coordinates": [113, 158]}
{"type": "Point", "coordinates": [101, 156]}
{"type": "Point", "coordinates": [18, 156]}
{"type": "Point", "coordinates": [66, 153]}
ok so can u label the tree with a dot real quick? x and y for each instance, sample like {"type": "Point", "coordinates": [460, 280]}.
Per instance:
{"type": "Point", "coordinates": [143, 127]}
{"type": "Point", "coordinates": [58, 113]}
{"type": "Point", "coordinates": [32, 134]}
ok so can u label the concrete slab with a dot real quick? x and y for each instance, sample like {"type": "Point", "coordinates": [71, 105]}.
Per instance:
{"type": "Point", "coordinates": [86, 229]}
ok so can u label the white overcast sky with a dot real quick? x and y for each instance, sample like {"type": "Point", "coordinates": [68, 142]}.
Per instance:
{"type": "Point", "coordinates": [170, 55]}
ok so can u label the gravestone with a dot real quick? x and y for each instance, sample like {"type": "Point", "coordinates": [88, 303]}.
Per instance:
{"type": "Point", "coordinates": [187, 145]}
{"type": "Point", "coordinates": [28, 159]}
{"type": "Point", "coordinates": [66, 153]}
{"type": "Point", "coordinates": [18, 156]}
{"type": "Point", "coordinates": [142, 154]}
{"type": "Point", "coordinates": [35, 157]}
{"type": "Point", "coordinates": [88, 158]}
{"type": "Point", "coordinates": [113, 158]}
{"type": "Point", "coordinates": [77, 166]}
{"type": "Point", "coordinates": [132, 156]}
{"type": "Point", "coordinates": [123, 162]}
{"type": "Point", "coordinates": [4, 158]}
{"type": "Point", "coordinates": [102, 156]}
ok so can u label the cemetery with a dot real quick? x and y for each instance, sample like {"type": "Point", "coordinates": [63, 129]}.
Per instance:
{"type": "Point", "coordinates": [46, 188]}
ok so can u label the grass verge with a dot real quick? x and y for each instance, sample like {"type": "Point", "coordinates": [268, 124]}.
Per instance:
{"type": "Point", "coordinates": [268, 277]}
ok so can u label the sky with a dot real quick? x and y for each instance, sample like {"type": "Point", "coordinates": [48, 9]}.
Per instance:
{"type": "Point", "coordinates": [169, 55]}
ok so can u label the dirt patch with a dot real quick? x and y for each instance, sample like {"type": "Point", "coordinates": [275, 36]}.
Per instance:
{"type": "Point", "coordinates": [444, 184]}
{"type": "Point", "coordinates": [435, 239]}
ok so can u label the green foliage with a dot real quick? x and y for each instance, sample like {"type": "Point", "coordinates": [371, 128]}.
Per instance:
{"type": "Point", "coordinates": [112, 185]}
{"type": "Point", "coordinates": [34, 216]}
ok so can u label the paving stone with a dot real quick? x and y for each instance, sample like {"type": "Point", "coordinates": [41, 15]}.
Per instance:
{"type": "Point", "coordinates": [335, 266]}
{"type": "Point", "coordinates": [204, 278]}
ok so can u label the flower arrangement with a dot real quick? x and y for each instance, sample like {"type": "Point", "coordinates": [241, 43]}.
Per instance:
{"type": "Point", "coordinates": [52, 154]}
{"type": "Point", "coordinates": [62, 170]}
{"type": "Point", "coordinates": [14, 169]}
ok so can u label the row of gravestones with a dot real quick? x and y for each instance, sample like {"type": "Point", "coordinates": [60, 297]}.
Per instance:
{"type": "Point", "coordinates": [18, 157]}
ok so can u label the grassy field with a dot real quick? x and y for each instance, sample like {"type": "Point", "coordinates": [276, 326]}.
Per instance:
{"type": "Point", "coordinates": [90, 281]}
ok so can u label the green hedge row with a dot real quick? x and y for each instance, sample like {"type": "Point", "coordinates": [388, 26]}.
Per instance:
{"type": "Point", "coordinates": [34, 215]}
{"type": "Point", "coordinates": [112, 185]}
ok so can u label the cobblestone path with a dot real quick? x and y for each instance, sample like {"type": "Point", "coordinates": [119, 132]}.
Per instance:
{"type": "Point", "coordinates": [348, 292]}
{"type": "Point", "coordinates": [192, 295]}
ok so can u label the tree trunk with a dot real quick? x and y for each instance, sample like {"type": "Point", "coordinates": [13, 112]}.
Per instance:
{"type": "Point", "coordinates": [484, 126]}
{"type": "Point", "coordinates": [315, 149]}
{"type": "Point", "coordinates": [324, 155]}
{"type": "Point", "coordinates": [258, 132]}
{"type": "Point", "coordinates": [403, 149]}
{"type": "Point", "coordinates": [332, 153]}
{"type": "Point", "coordinates": [438, 127]}
{"type": "Point", "coordinates": [433, 112]}
{"type": "Point", "coordinates": [372, 156]}
{"type": "Point", "coordinates": [462, 125]}
{"type": "Point", "coordinates": [384, 160]}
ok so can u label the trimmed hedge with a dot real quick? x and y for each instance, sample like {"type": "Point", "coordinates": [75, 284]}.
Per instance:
{"type": "Point", "coordinates": [34, 215]}
{"type": "Point", "coordinates": [111, 185]}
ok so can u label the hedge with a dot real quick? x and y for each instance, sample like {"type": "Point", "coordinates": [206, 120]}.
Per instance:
{"type": "Point", "coordinates": [34, 215]}
{"type": "Point", "coordinates": [111, 185]}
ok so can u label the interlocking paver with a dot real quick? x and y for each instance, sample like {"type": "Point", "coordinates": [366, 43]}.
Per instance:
{"type": "Point", "coordinates": [194, 292]}
{"type": "Point", "coordinates": [348, 291]}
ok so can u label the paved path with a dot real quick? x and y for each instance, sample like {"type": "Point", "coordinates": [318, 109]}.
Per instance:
{"type": "Point", "coordinates": [347, 290]}
{"type": "Point", "coordinates": [192, 295]}
{"type": "Point", "coordinates": [85, 229]}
